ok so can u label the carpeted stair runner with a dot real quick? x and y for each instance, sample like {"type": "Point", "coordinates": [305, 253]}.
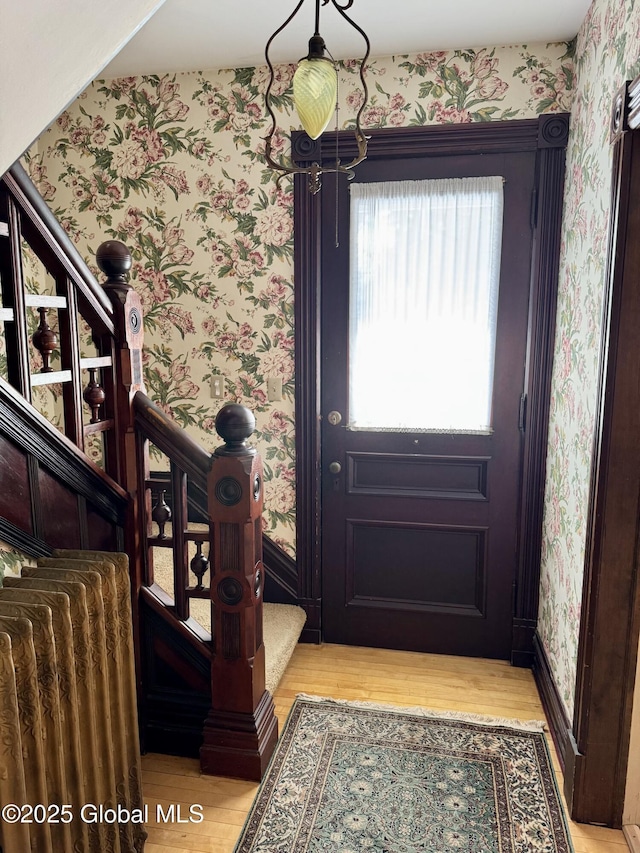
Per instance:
{"type": "Point", "coordinates": [282, 623]}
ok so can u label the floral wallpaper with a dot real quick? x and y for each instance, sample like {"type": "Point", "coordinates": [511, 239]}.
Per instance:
{"type": "Point", "coordinates": [11, 560]}
{"type": "Point", "coordinates": [607, 54]}
{"type": "Point", "coordinates": [172, 166]}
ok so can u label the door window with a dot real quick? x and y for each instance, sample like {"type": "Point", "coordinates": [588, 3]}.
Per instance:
{"type": "Point", "coordinates": [424, 274]}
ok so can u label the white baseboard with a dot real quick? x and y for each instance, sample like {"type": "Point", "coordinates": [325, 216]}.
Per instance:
{"type": "Point", "coordinates": [632, 836]}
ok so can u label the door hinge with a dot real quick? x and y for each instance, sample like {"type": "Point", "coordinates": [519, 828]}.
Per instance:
{"type": "Point", "coordinates": [522, 413]}
{"type": "Point", "coordinates": [534, 208]}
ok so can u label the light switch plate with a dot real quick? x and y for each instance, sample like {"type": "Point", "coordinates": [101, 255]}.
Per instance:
{"type": "Point", "coordinates": [217, 387]}
{"type": "Point", "coordinates": [274, 388]}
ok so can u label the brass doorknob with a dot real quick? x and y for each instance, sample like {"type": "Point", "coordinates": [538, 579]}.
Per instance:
{"type": "Point", "coordinates": [334, 418]}
{"type": "Point", "coordinates": [335, 467]}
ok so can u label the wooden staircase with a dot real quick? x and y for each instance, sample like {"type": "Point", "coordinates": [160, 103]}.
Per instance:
{"type": "Point", "coordinates": [87, 350]}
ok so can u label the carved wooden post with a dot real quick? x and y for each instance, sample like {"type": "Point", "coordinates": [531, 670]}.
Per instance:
{"type": "Point", "coordinates": [241, 730]}
{"type": "Point", "coordinates": [126, 463]}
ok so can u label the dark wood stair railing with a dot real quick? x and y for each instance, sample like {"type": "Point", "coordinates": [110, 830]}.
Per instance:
{"type": "Point", "coordinates": [241, 727]}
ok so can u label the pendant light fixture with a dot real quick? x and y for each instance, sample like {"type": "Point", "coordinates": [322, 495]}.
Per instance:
{"type": "Point", "coordinates": [315, 95]}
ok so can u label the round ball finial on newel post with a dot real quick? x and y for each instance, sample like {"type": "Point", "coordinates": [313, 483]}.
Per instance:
{"type": "Point", "coordinates": [114, 259]}
{"type": "Point", "coordinates": [235, 424]}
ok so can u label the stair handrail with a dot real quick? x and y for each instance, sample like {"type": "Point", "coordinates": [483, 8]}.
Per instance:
{"type": "Point", "coordinates": [170, 439]}
{"type": "Point", "coordinates": [21, 188]}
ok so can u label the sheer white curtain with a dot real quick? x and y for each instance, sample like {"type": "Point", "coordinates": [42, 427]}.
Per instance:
{"type": "Point", "coordinates": [424, 273]}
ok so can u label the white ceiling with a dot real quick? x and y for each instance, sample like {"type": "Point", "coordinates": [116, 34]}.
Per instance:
{"type": "Point", "coordinates": [190, 35]}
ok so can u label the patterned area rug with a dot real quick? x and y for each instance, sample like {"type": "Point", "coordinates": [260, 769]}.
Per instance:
{"type": "Point", "coordinates": [357, 778]}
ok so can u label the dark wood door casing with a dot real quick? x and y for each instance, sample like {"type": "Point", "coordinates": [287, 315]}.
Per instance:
{"type": "Point", "coordinates": [411, 559]}
{"type": "Point", "coordinates": [596, 749]}
{"type": "Point", "coordinates": [547, 136]}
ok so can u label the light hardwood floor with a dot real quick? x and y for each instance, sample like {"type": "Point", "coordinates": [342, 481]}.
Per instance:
{"type": "Point", "coordinates": [344, 672]}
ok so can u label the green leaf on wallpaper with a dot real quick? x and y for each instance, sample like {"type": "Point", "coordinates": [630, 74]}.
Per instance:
{"type": "Point", "coordinates": [244, 76]}
{"type": "Point", "coordinates": [262, 201]}
{"type": "Point", "coordinates": [265, 344]}
{"type": "Point", "coordinates": [246, 223]}
{"type": "Point", "coordinates": [485, 113]}
{"type": "Point", "coordinates": [420, 116]}
{"type": "Point", "coordinates": [544, 104]}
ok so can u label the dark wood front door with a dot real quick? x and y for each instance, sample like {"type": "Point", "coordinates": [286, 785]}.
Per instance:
{"type": "Point", "coordinates": [420, 529]}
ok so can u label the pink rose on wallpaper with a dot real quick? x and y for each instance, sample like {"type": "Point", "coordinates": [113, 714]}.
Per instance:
{"type": "Point", "coordinates": [132, 221]}
{"type": "Point", "coordinates": [430, 61]}
{"type": "Point", "coordinates": [540, 90]}
{"type": "Point", "coordinates": [167, 89]}
{"type": "Point", "coordinates": [63, 121]}
{"type": "Point", "coordinates": [278, 424]}
{"type": "Point", "coordinates": [492, 88]}
{"type": "Point", "coordinates": [129, 160]}
{"type": "Point", "coordinates": [280, 496]}
{"type": "Point", "coordinates": [355, 100]}
{"type": "Point", "coordinates": [47, 190]}
{"type": "Point", "coordinates": [175, 179]}
{"type": "Point", "coordinates": [124, 84]}
{"type": "Point", "coordinates": [256, 259]}
{"type": "Point", "coordinates": [277, 363]}
{"type": "Point", "coordinates": [175, 110]}
{"type": "Point", "coordinates": [178, 317]}
{"type": "Point", "coordinates": [78, 135]}
{"type": "Point", "coordinates": [157, 284]}
{"type": "Point", "coordinates": [210, 325]}
{"type": "Point", "coordinates": [171, 235]}
{"type": "Point", "coordinates": [226, 341]}
{"type": "Point", "coordinates": [274, 226]}
{"type": "Point", "coordinates": [243, 268]}
{"type": "Point", "coordinates": [283, 75]}
{"type": "Point", "coordinates": [286, 472]}
{"type": "Point", "coordinates": [484, 65]}
{"type": "Point", "coordinates": [221, 200]}
{"type": "Point", "coordinates": [282, 341]}
{"type": "Point", "coordinates": [284, 198]}
{"type": "Point", "coordinates": [373, 116]}
{"type": "Point", "coordinates": [397, 118]}
{"type": "Point", "coordinates": [181, 254]}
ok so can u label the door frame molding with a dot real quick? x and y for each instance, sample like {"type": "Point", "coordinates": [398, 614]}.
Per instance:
{"type": "Point", "coordinates": [547, 135]}
{"type": "Point", "coordinates": [598, 744]}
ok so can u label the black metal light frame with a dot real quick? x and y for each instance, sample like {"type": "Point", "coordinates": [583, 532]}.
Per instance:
{"type": "Point", "coordinates": [317, 48]}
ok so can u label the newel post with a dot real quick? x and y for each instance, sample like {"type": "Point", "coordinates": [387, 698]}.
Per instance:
{"type": "Point", "coordinates": [114, 259]}
{"type": "Point", "coordinates": [241, 730]}
{"type": "Point", "coordinates": [126, 462]}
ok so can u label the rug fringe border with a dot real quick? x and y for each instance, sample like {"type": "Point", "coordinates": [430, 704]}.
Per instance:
{"type": "Point", "coordinates": [420, 711]}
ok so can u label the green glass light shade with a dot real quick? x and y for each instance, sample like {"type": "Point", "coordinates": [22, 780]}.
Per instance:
{"type": "Point", "coordinates": [315, 91]}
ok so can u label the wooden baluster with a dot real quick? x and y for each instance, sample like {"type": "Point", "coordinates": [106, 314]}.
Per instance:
{"type": "Point", "coordinates": [241, 730]}
{"type": "Point", "coordinates": [199, 565]}
{"type": "Point", "coordinates": [161, 513]}
{"type": "Point", "coordinates": [44, 340]}
{"type": "Point", "coordinates": [94, 396]}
